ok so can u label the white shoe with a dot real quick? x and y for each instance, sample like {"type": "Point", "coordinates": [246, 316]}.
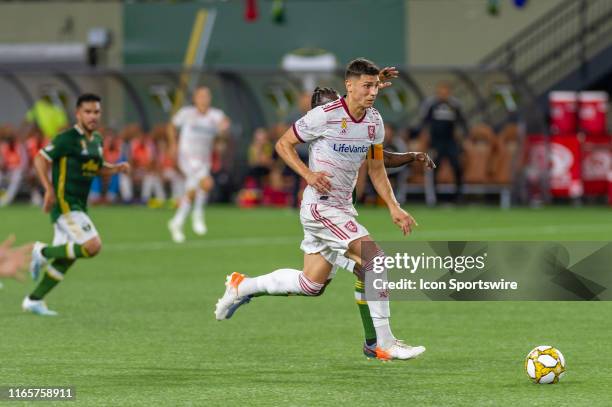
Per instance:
{"type": "Point", "coordinates": [199, 227]}
{"type": "Point", "coordinates": [176, 231]}
{"type": "Point", "coordinates": [38, 260]}
{"type": "Point", "coordinates": [37, 307]}
{"type": "Point", "coordinates": [231, 301]}
{"type": "Point", "coordinates": [399, 350]}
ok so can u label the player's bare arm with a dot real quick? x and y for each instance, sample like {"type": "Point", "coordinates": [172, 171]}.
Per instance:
{"type": "Point", "coordinates": [285, 147]}
{"type": "Point", "coordinates": [172, 136]}
{"type": "Point", "coordinates": [224, 127]}
{"type": "Point", "coordinates": [394, 160]}
{"type": "Point", "coordinates": [378, 175]}
{"type": "Point", "coordinates": [41, 164]}
{"type": "Point", "coordinates": [111, 169]}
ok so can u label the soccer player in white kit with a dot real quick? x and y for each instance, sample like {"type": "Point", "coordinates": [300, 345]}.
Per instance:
{"type": "Point", "coordinates": [199, 125]}
{"type": "Point", "coordinates": [341, 134]}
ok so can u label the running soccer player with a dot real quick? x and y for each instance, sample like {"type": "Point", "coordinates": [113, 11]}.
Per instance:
{"type": "Point", "coordinates": [199, 125]}
{"type": "Point", "coordinates": [341, 135]}
{"type": "Point", "coordinates": [320, 97]}
{"type": "Point", "coordinates": [75, 157]}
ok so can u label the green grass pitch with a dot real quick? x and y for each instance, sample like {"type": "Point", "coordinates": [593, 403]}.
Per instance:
{"type": "Point", "coordinates": [136, 324]}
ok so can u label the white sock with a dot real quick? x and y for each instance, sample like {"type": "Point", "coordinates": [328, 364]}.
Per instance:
{"type": "Point", "coordinates": [380, 311]}
{"type": "Point", "coordinates": [384, 336]}
{"type": "Point", "coordinates": [198, 204]}
{"type": "Point", "coordinates": [280, 282]}
{"type": "Point", "coordinates": [182, 212]}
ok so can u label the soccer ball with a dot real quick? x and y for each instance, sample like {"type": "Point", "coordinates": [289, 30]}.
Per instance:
{"type": "Point", "coordinates": [545, 365]}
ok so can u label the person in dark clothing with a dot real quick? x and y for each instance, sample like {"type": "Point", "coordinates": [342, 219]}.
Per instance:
{"type": "Point", "coordinates": [442, 114]}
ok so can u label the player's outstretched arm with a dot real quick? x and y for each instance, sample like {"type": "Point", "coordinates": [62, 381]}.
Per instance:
{"type": "Point", "coordinates": [285, 147]}
{"type": "Point", "coordinates": [394, 160]}
{"type": "Point", "coordinates": [111, 169]}
{"type": "Point", "coordinates": [378, 175]}
{"type": "Point", "coordinates": [13, 261]}
{"type": "Point", "coordinates": [171, 137]}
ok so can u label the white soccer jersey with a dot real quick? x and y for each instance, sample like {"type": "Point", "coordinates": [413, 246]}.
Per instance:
{"type": "Point", "coordinates": [197, 132]}
{"type": "Point", "coordinates": [339, 144]}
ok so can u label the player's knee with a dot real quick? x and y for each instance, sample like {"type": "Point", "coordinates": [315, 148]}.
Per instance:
{"type": "Point", "coordinates": [92, 247]}
{"type": "Point", "coordinates": [309, 287]}
{"type": "Point", "coordinates": [191, 195]}
{"type": "Point", "coordinates": [207, 184]}
{"type": "Point", "coordinates": [373, 262]}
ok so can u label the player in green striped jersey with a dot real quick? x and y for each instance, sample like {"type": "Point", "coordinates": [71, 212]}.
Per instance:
{"type": "Point", "coordinates": [75, 157]}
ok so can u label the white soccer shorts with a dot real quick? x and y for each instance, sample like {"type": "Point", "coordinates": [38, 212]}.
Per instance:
{"type": "Point", "coordinates": [194, 170]}
{"type": "Point", "coordinates": [329, 231]}
{"type": "Point", "coordinates": [73, 227]}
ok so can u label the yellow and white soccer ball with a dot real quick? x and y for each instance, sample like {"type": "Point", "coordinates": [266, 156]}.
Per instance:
{"type": "Point", "coordinates": [545, 365]}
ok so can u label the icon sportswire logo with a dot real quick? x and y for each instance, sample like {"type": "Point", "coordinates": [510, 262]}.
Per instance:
{"type": "Point", "coordinates": [349, 148]}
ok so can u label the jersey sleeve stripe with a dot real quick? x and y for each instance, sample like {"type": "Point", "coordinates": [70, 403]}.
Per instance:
{"type": "Point", "coordinates": [44, 154]}
{"type": "Point", "coordinates": [332, 107]}
{"type": "Point", "coordinates": [297, 134]}
{"type": "Point", "coordinates": [61, 185]}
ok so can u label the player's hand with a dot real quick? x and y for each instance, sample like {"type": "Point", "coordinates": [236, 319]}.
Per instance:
{"type": "Point", "coordinates": [385, 75]}
{"type": "Point", "coordinates": [5, 247]}
{"type": "Point", "coordinates": [319, 181]}
{"type": "Point", "coordinates": [13, 261]}
{"type": "Point", "coordinates": [124, 167]}
{"type": "Point", "coordinates": [403, 220]}
{"type": "Point", "coordinates": [424, 158]}
{"type": "Point", "coordinates": [49, 200]}
{"type": "Point", "coordinates": [224, 126]}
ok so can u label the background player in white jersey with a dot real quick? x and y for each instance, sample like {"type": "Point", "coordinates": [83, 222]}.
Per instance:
{"type": "Point", "coordinates": [199, 125]}
{"type": "Point", "coordinates": [341, 135]}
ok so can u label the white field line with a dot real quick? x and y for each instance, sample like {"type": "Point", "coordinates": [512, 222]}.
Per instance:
{"type": "Point", "coordinates": [447, 234]}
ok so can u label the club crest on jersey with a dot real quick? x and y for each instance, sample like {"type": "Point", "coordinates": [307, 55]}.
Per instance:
{"type": "Point", "coordinates": [350, 226]}
{"type": "Point", "coordinates": [84, 148]}
{"type": "Point", "coordinates": [371, 132]}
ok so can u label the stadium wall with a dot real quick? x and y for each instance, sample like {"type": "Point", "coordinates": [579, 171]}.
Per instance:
{"type": "Point", "coordinates": [56, 22]}
{"type": "Point", "coordinates": [462, 32]}
{"type": "Point", "coordinates": [61, 22]}
{"type": "Point", "coordinates": [358, 30]}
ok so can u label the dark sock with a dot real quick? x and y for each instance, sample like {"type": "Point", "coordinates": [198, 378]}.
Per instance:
{"type": "Point", "coordinates": [65, 251]}
{"type": "Point", "coordinates": [54, 274]}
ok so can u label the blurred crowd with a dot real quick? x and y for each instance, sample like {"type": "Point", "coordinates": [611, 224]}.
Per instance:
{"type": "Point", "coordinates": [154, 179]}
{"type": "Point", "coordinates": [486, 157]}
{"type": "Point", "coordinates": [476, 155]}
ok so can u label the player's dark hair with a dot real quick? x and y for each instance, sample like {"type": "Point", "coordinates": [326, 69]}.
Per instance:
{"type": "Point", "coordinates": [321, 96]}
{"type": "Point", "coordinates": [361, 66]}
{"type": "Point", "coordinates": [87, 97]}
